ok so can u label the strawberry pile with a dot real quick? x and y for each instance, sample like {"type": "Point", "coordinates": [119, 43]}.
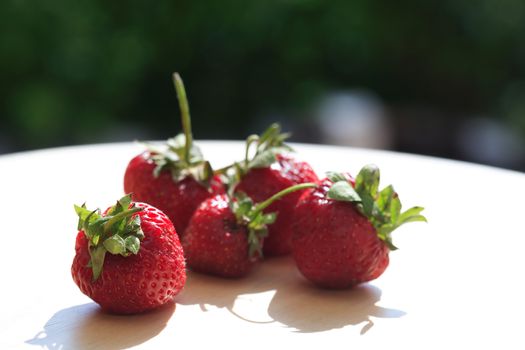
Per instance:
{"type": "Point", "coordinates": [178, 213]}
{"type": "Point", "coordinates": [271, 169]}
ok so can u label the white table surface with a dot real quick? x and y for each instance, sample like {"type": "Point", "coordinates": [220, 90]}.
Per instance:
{"type": "Point", "coordinates": [456, 282]}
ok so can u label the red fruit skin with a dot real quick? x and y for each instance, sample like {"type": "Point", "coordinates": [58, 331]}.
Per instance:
{"type": "Point", "coordinates": [333, 245]}
{"type": "Point", "coordinates": [214, 243]}
{"type": "Point", "coordinates": [136, 283]}
{"type": "Point", "coordinates": [261, 183]}
{"type": "Point", "coordinates": [178, 200]}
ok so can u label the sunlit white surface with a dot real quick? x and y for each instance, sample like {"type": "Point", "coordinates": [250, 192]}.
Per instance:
{"type": "Point", "coordinates": [456, 282]}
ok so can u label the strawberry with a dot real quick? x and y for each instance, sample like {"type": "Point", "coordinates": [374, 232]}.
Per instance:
{"type": "Point", "coordinates": [225, 236]}
{"type": "Point", "coordinates": [176, 196]}
{"type": "Point", "coordinates": [175, 179]}
{"type": "Point", "coordinates": [342, 230]}
{"type": "Point", "coordinates": [128, 259]}
{"type": "Point", "coordinates": [270, 170]}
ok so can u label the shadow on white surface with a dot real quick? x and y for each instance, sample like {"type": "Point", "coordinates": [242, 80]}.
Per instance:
{"type": "Point", "coordinates": [308, 309]}
{"type": "Point", "coordinates": [87, 326]}
{"type": "Point", "coordinates": [276, 292]}
{"type": "Point", "coordinates": [211, 292]}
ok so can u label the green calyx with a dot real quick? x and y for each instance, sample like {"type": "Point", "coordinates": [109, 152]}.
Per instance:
{"type": "Point", "coordinates": [118, 232]}
{"type": "Point", "coordinates": [260, 152]}
{"type": "Point", "coordinates": [171, 158]}
{"type": "Point", "coordinates": [251, 215]}
{"type": "Point", "coordinates": [180, 156]}
{"type": "Point", "coordinates": [255, 221]}
{"type": "Point", "coordinates": [382, 208]}
{"type": "Point", "coordinates": [266, 148]}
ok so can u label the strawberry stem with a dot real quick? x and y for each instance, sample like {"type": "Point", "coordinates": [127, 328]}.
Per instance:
{"type": "Point", "coordinates": [185, 115]}
{"type": "Point", "coordinates": [222, 170]}
{"type": "Point", "coordinates": [263, 205]}
{"type": "Point", "coordinates": [120, 216]}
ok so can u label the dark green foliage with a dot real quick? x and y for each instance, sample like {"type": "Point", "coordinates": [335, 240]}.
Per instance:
{"type": "Point", "coordinates": [73, 71]}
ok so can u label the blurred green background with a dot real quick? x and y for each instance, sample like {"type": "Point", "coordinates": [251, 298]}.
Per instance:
{"type": "Point", "coordinates": [443, 78]}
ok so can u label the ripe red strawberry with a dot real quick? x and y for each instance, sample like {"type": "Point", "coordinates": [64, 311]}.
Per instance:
{"type": "Point", "coordinates": [176, 179]}
{"type": "Point", "coordinates": [341, 234]}
{"type": "Point", "coordinates": [225, 236]}
{"type": "Point", "coordinates": [177, 197]}
{"type": "Point", "coordinates": [271, 170]}
{"type": "Point", "coordinates": [215, 242]}
{"type": "Point", "coordinates": [128, 259]}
